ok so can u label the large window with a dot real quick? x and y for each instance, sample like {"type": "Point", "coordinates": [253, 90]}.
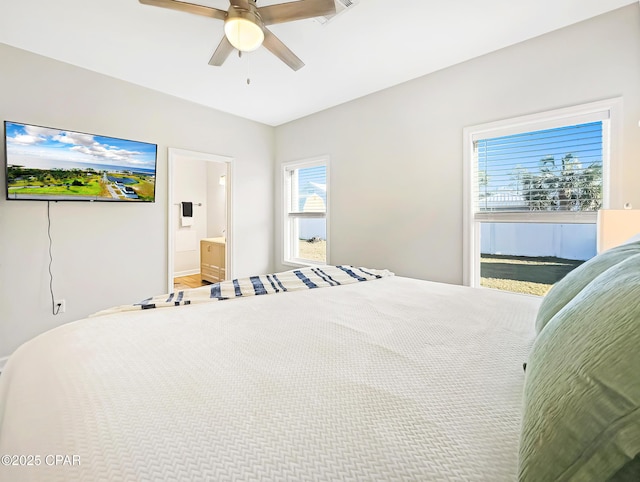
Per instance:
{"type": "Point", "coordinates": [533, 187]}
{"type": "Point", "coordinates": [305, 212]}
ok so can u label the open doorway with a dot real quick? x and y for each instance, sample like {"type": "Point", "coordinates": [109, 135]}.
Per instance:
{"type": "Point", "coordinates": [199, 234]}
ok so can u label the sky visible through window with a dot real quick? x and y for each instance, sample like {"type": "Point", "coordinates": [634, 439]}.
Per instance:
{"type": "Point", "coordinates": [312, 181]}
{"type": "Point", "coordinates": [513, 170]}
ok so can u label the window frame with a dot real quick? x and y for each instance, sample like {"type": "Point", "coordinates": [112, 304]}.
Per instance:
{"type": "Point", "coordinates": [608, 111]}
{"type": "Point", "coordinates": [288, 229]}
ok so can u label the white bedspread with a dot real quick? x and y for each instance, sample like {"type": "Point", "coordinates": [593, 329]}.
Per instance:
{"type": "Point", "coordinates": [394, 379]}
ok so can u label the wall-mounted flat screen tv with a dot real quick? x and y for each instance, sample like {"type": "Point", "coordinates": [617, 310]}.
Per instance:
{"type": "Point", "coordinates": [44, 163]}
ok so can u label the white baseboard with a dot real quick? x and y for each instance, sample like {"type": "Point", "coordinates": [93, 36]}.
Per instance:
{"type": "Point", "coordinates": [188, 272]}
{"type": "Point", "coordinates": [3, 360]}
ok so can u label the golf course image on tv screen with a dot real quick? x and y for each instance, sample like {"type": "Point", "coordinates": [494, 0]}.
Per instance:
{"type": "Point", "coordinates": [44, 163]}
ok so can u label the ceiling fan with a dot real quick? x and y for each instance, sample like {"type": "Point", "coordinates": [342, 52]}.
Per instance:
{"type": "Point", "coordinates": [245, 24]}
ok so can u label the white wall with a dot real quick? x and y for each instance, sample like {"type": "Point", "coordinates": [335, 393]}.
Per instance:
{"type": "Point", "coordinates": [216, 203]}
{"type": "Point", "coordinates": [396, 155]}
{"type": "Point", "coordinates": [107, 254]}
{"type": "Point", "coordinates": [189, 185]}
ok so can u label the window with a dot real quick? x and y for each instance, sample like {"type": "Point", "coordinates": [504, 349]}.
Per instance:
{"type": "Point", "coordinates": [305, 212]}
{"type": "Point", "coordinates": [533, 186]}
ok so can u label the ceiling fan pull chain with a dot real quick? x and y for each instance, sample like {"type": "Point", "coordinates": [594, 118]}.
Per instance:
{"type": "Point", "coordinates": [248, 77]}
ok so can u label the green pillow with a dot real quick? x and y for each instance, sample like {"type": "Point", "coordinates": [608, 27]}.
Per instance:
{"type": "Point", "coordinates": [582, 388]}
{"type": "Point", "coordinates": [569, 286]}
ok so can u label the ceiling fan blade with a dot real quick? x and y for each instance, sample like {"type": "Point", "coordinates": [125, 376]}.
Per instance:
{"type": "Point", "coordinates": [288, 12]}
{"type": "Point", "coordinates": [187, 7]}
{"type": "Point", "coordinates": [222, 52]}
{"type": "Point", "coordinates": [280, 50]}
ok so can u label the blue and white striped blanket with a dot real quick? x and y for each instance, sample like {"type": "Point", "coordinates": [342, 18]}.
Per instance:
{"type": "Point", "coordinates": [294, 280]}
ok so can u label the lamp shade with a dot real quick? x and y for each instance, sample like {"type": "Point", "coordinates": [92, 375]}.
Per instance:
{"type": "Point", "coordinates": [243, 34]}
{"type": "Point", "coordinates": [615, 226]}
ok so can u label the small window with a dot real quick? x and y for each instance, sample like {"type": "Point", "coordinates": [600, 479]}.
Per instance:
{"type": "Point", "coordinates": [305, 212]}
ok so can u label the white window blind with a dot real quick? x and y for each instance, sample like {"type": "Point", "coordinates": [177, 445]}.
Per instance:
{"type": "Point", "coordinates": [308, 187]}
{"type": "Point", "coordinates": [558, 170]}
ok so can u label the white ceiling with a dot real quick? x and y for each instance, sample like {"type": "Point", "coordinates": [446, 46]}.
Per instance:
{"type": "Point", "coordinates": [375, 45]}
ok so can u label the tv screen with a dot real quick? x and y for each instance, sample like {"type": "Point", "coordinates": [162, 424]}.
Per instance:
{"type": "Point", "coordinates": [61, 165]}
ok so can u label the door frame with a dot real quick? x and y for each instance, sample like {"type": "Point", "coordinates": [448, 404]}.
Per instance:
{"type": "Point", "coordinates": [174, 156]}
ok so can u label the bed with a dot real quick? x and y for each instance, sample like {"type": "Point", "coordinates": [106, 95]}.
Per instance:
{"type": "Point", "coordinates": [388, 379]}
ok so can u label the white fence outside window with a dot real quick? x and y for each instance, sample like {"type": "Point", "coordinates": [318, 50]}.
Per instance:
{"type": "Point", "coordinates": [568, 241]}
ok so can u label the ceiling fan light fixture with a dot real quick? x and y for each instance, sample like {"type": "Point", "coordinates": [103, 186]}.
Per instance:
{"type": "Point", "coordinates": [243, 33]}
